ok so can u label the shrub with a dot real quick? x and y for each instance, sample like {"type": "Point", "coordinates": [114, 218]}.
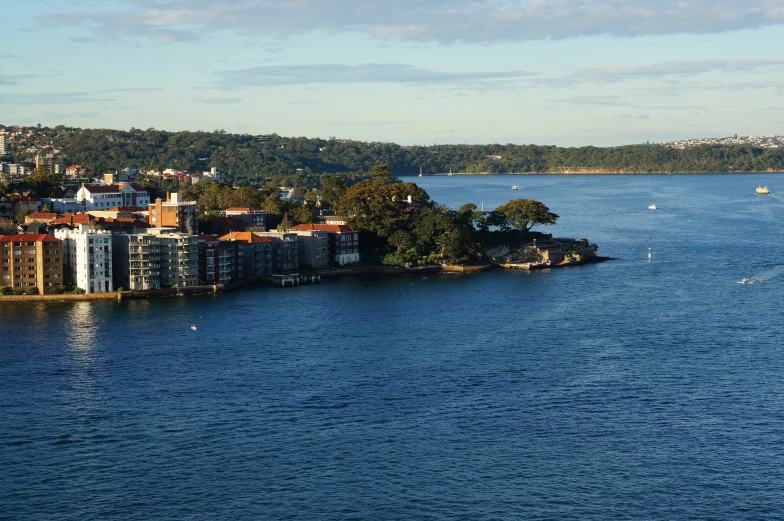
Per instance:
{"type": "Point", "coordinates": [78, 291]}
{"type": "Point", "coordinates": [6, 291]}
{"type": "Point", "coordinates": [32, 290]}
{"type": "Point", "coordinates": [120, 289]}
{"type": "Point", "coordinates": [57, 290]}
{"type": "Point", "coordinates": [18, 292]}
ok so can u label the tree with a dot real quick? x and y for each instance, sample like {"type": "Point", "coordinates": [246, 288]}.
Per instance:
{"type": "Point", "coordinates": [302, 214]}
{"type": "Point", "coordinates": [332, 187]}
{"type": "Point", "coordinates": [523, 214]}
{"type": "Point", "coordinates": [46, 208]}
{"type": "Point", "coordinates": [381, 209]}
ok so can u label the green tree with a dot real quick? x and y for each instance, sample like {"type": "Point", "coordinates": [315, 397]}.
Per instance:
{"type": "Point", "coordinates": [523, 214]}
{"type": "Point", "coordinates": [46, 208]}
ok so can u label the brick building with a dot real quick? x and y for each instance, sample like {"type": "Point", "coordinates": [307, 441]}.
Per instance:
{"type": "Point", "coordinates": [31, 260]}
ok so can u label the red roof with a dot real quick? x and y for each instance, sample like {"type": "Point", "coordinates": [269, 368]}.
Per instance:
{"type": "Point", "coordinates": [207, 238]}
{"type": "Point", "coordinates": [42, 215]}
{"type": "Point", "coordinates": [73, 219]}
{"type": "Point", "coordinates": [238, 210]}
{"type": "Point", "coordinates": [29, 237]}
{"type": "Point", "coordinates": [248, 237]}
{"type": "Point", "coordinates": [331, 228]}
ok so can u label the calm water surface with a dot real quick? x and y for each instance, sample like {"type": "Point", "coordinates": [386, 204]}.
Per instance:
{"type": "Point", "coordinates": [625, 390]}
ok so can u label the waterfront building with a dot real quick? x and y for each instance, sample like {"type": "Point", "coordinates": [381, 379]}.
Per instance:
{"type": "Point", "coordinates": [344, 241]}
{"type": "Point", "coordinates": [104, 197]}
{"type": "Point", "coordinates": [87, 254]}
{"type": "Point", "coordinates": [250, 218]}
{"type": "Point", "coordinates": [174, 212]}
{"type": "Point", "coordinates": [31, 260]}
{"type": "Point", "coordinates": [285, 250]}
{"type": "Point", "coordinates": [313, 248]}
{"type": "Point", "coordinates": [136, 261]}
{"type": "Point", "coordinates": [179, 258]}
{"type": "Point", "coordinates": [252, 252]}
{"type": "Point", "coordinates": [216, 260]}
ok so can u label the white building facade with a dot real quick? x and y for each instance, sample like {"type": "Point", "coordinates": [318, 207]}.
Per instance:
{"type": "Point", "coordinates": [99, 197]}
{"type": "Point", "coordinates": [88, 257]}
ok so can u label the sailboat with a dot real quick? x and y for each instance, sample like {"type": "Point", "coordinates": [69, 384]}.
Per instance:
{"type": "Point", "coordinates": [420, 171]}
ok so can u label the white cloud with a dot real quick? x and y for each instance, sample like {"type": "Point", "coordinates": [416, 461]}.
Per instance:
{"type": "Point", "coordinates": [444, 21]}
{"type": "Point", "coordinates": [276, 75]}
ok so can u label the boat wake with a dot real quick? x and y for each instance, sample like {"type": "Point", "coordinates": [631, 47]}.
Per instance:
{"type": "Point", "coordinates": [765, 276]}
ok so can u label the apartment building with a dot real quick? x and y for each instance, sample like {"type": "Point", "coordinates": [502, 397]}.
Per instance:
{"type": "Point", "coordinates": [256, 219]}
{"type": "Point", "coordinates": [253, 254]}
{"type": "Point", "coordinates": [285, 250]}
{"type": "Point", "coordinates": [136, 261]}
{"type": "Point", "coordinates": [174, 212]}
{"type": "Point", "coordinates": [313, 247]}
{"type": "Point", "coordinates": [344, 240]}
{"type": "Point", "coordinates": [87, 254]}
{"type": "Point", "coordinates": [179, 258]}
{"type": "Point", "coordinates": [216, 260]}
{"type": "Point", "coordinates": [31, 260]}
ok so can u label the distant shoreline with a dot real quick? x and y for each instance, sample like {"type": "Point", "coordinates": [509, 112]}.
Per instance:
{"type": "Point", "coordinates": [598, 172]}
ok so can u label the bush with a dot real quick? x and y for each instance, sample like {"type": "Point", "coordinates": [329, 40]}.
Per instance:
{"type": "Point", "coordinates": [120, 289]}
{"type": "Point", "coordinates": [6, 291]}
{"type": "Point", "coordinates": [78, 291]}
{"type": "Point", "coordinates": [18, 292]}
{"type": "Point", "coordinates": [57, 290]}
{"type": "Point", "coordinates": [32, 290]}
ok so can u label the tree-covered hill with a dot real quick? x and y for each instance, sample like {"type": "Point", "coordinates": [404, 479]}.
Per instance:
{"type": "Point", "coordinates": [301, 161]}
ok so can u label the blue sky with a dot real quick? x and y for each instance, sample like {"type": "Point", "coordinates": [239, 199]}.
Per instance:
{"type": "Point", "coordinates": [564, 72]}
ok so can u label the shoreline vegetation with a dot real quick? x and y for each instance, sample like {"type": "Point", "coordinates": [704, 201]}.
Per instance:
{"type": "Point", "coordinates": [301, 162]}
{"type": "Point", "coordinates": [362, 271]}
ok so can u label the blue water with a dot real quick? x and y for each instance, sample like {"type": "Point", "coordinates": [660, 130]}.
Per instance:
{"type": "Point", "coordinates": [624, 390]}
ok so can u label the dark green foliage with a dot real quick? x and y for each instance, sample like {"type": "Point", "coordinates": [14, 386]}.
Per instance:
{"type": "Point", "coordinates": [32, 290]}
{"type": "Point", "coordinates": [303, 162]}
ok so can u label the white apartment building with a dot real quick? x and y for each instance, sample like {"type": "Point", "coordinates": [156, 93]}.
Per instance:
{"type": "Point", "coordinates": [99, 197]}
{"type": "Point", "coordinates": [88, 257]}
{"type": "Point", "coordinates": [3, 143]}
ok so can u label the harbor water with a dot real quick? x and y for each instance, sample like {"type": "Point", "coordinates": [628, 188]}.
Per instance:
{"type": "Point", "coordinates": [632, 389]}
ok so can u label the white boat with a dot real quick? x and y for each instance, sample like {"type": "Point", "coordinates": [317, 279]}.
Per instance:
{"type": "Point", "coordinates": [744, 281]}
{"type": "Point", "coordinates": [762, 190]}
{"type": "Point", "coordinates": [653, 207]}
{"type": "Point", "coordinates": [193, 327]}
{"type": "Point", "coordinates": [514, 187]}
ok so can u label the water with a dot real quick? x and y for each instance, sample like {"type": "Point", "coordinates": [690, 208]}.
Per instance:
{"type": "Point", "coordinates": [625, 390]}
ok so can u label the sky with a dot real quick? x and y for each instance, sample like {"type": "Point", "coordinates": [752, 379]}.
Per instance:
{"type": "Point", "coordinates": [547, 72]}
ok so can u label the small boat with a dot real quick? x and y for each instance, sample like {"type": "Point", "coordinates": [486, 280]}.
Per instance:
{"type": "Point", "coordinates": [762, 190]}
{"type": "Point", "coordinates": [514, 187]}
{"type": "Point", "coordinates": [744, 281]}
{"type": "Point", "coordinates": [193, 327]}
{"type": "Point", "coordinates": [653, 207]}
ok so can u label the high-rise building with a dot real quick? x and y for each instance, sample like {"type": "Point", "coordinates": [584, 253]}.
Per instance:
{"type": "Point", "coordinates": [31, 260]}
{"type": "Point", "coordinates": [3, 143]}
{"type": "Point", "coordinates": [87, 257]}
{"type": "Point", "coordinates": [179, 258]}
{"type": "Point", "coordinates": [174, 212]}
{"type": "Point", "coordinates": [136, 261]}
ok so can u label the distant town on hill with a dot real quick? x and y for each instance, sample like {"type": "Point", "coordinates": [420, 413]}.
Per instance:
{"type": "Point", "coordinates": [299, 161]}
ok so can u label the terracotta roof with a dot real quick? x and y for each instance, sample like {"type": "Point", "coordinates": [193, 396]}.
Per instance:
{"type": "Point", "coordinates": [42, 215]}
{"type": "Point", "coordinates": [74, 219]}
{"type": "Point", "coordinates": [29, 237]}
{"type": "Point", "coordinates": [331, 228]}
{"type": "Point", "coordinates": [248, 237]}
{"type": "Point", "coordinates": [238, 210]}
